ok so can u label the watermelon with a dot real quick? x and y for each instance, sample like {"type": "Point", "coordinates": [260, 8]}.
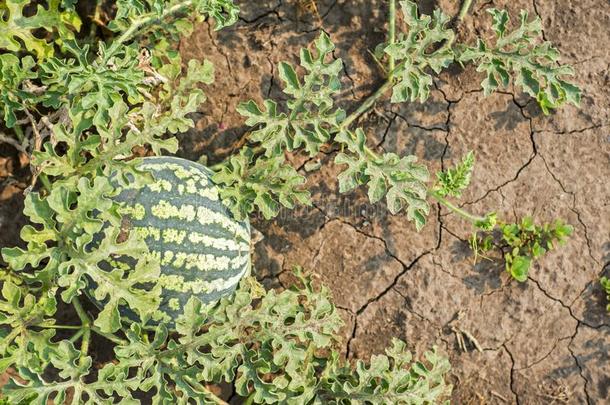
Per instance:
{"type": "Point", "coordinates": [202, 249]}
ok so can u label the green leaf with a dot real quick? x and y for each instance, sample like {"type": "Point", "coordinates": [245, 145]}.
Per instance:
{"type": "Point", "coordinates": [390, 378]}
{"type": "Point", "coordinates": [224, 12]}
{"type": "Point", "coordinates": [534, 64]}
{"type": "Point", "coordinates": [427, 45]}
{"type": "Point", "coordinates": [500, 20]}
{"type": "Point", "coordinates": [91, 87]}
{"type": "Point", "coordinates": [311, 116]}
{"type": "Point", "coordinates": [525, 241]}
{"type": "Point", "coordinates": [264, 183]}
{"type": "Point", "coordinates": [454, 180]}
{"type": "Point", "coordinates": [519, 267]}
{"type": "Point", "coordinates": [16, 27]}
{"type": "Point", "coordinates": [15, 96]}
{"type": "Point", "coordinates": [113, 285]}
{"type": "Point", "coordinates": [488, 223]}
{"type": "Point", "coordinates": [400, 179]}
{"type": "Point", "coordinates": [171, 18]}
{"type": "Point", "coordinates": [354, 175]}
{"type": "Point", "coordinates": [20, 310]}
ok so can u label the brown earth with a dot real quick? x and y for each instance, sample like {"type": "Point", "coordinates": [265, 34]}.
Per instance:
{"type": "Point", "coordinates": [543, 341]}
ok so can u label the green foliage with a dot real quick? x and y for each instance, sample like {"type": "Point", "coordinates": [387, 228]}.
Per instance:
{"type": "Point", "coordinates": [224, 12]}
{"type": "Point", "coordinates": [453, 181]}
{"type": "Point", "coordinates": [172, 19]}
{"type": "Point", "coordinates": [57, 18]}
{"type": "Point", "coordinates": [279, 347]}
{"type": "Point", "coordinates": [427, 45]}
{"type": "Point", "coordinates": [605, 282]}
{"type": "Point", "coordinates": [69, 220]}
{"type": "Point", "coordinates": [310, 123]}
{"type": "Point", "coordinates": [265, 184]}
{"type": "Point", "coordinates": [275, 347]}
{"type": "Point", "coordinates": [92, 85]}
{"type": "Point", "coordinates": [523, 243]}
{"type": "Point", "coordinates": [391, 379]}
{"type": "Point", "coordinates": [21, 310]}
{"type": "Point", "coordinates": [534, 65]}
{"type": "Point", "coordinates": [13, 97]}
{"type": "Point", "coordinates": [310, 118]}
{"type": "Point", "coordinates": [401, 180]}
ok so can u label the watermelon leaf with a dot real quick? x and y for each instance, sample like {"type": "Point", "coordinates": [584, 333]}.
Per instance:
{"type": "Point", "coordinates": [534, 64]}
{"type": "Point", "coordinates": [310, 116]}
{"type": "Point", "coordinates": [16, 27]}
{"type": "Point", "coordinates": [426, 46]}
{"type": "Point", "coordinates": [400, 179]}
{"type": "Point", "coordinates": [265, 185]}
{"type": "Point", "coordinates": [455, 180]}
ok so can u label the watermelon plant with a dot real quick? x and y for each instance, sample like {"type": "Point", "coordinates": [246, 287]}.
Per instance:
{"type": "Point", "coordinates": [260, 179]}
{"type": "Point", "coordinates": [152, 254]}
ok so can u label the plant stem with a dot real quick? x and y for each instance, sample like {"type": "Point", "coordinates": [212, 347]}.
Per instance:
{"type": "Point", "coordinates": [89, 325]}
{"type": "Point", "coordinates": [77, 335]}
{"type": "Point", "coordinates": [368, 103]}
{"type": "Point", "coordinates": [59, 326]}
{"type": "Point", "coordinates": [84, 346]}
{"type": "Point", "coordinates": [95, 19]}
{"type": "Point", "coordinates": [46, 183]}
{"type": "Point", "coordinates": [464, 10]}
{"type": "Point", "coordinates": [84, 318]}
{"type": "Point", "coordinates": [11, 336]}
{"type": "Point", "coordinates": [448, 204]}
{"type": "Point", "coordinates": [392, 36]}
{"type": "Point", "coordinates": [250, 399]}
{"type": "Point", "coordinates": [109, 336]}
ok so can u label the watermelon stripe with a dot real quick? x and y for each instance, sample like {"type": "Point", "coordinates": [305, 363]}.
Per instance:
{"type": "Point", "coordinates": [205, 216]}
{"type": "Point", "coordinates": [190, 188]}
{"type": "Point", "coordinates": [199, 261]}
{"type": "Point", "coordinates": [177, 283]}
{"type": "Point", "coordinates": [191, 241]}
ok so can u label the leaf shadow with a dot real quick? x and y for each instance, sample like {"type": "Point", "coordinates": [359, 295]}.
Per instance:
{"type": "Point", "coordinates": [485, 272]}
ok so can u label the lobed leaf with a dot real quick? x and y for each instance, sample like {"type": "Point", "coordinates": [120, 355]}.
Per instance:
{"type": "Point", "coordinates": [264, 184]}
{"type": "Point", "coordinates": [392, 378]}
{"type": "Point", "coordinates": [14, 94]}
{"type": "Point", "coordinates": [311, 117]}
{"type": "Point", "coordinates": [21, 310]}
{"type": "Point", "coordinates": [534, 64]}
{"type": "Point", "coordinates": [454, 180]}
{"type": "Point", "coordinates": [400, 179]}
{"type": "Point", "coordinates": [17, 27]}
{"type": "Point", "coordinates": [426, 46]}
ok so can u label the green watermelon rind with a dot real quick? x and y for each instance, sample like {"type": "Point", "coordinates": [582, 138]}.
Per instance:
{"type": "Point", "coordinates": [203, 251]}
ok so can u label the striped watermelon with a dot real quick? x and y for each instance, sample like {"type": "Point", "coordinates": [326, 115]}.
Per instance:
{"type": "Point", "coordinates": [202, 249]}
